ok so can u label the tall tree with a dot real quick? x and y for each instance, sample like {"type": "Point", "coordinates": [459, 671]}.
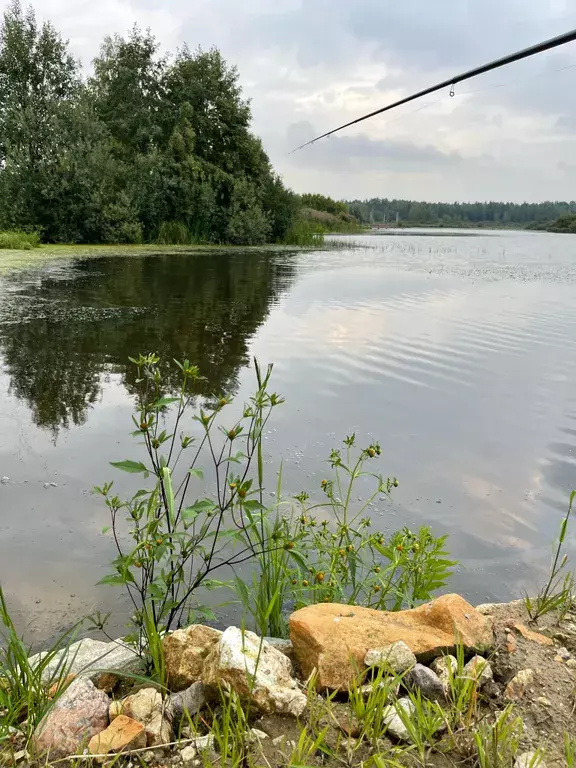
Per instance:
{"type": "Point", "coordinates": [39, 79]}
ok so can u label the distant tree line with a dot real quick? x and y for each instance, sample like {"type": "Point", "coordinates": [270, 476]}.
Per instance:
{"type": "Point", "coordinates": [408, 212]}
{"type": "Point", "coordinates": [148, 146]}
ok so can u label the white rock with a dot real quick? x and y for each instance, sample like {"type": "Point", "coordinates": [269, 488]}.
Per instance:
{"type": "Point", "coordinates": [259, 735]}
{"type": "Point", "coordinates": [397, 656]}
{"type": "Point", "coordinates": [202, 744]}
{"type": "Point", "coordinates": [89, 658]}
{"type": "Point", "coordinates": [256, 671]}
{"type": "Point", "coordinates": [529, 760]}
{"type": "Point", "coordinates": [5, 480]}
{"type": "Point", "coordinates": [393, 721]}
{"type": "Point", "coordinates": [188, 754]}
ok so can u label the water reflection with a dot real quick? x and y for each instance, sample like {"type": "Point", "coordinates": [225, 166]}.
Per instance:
{"type": "Point", "coordinates": [63, 330]}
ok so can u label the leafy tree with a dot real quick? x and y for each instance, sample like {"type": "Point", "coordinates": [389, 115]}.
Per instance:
{"type": "Point", "coordinates": [38, 82]}
{"type": "Point", "coordinates": [144, 143]}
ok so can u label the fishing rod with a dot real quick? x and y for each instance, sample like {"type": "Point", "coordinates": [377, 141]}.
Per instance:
{"type": "Point", "coordinates": [554, 42]}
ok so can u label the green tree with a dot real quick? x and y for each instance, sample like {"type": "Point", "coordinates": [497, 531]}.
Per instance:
{"type": "Point", "coordinates": [39, 80]}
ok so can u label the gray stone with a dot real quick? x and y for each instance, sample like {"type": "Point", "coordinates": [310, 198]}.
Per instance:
{"type": "Point", "coordinates": [90, 658]}
{"type": "Point", "coordinates": [188, 703]}
{"type": "Point", "coordinates": [397, 656]}
{"type": "Point", "coordinates": [427, 682]}
{"type": "Point", "coordinates": [5, 480]}
{"type": "Point", "coordinates": [394, 723]}
{"type": "Point", "coordinates": [564, 653]}
{"type": "Point", "coordinates": [282, 645]}
{"type": "Point", "coordinates": [80, 713]}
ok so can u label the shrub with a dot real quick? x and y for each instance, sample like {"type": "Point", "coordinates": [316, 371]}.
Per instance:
{"type": "Point", "coordinates": [174, 233]}
{"type": "Point", "coordinates": [179, 544]}
{"type": "Point", "coordinates": [19, 241]}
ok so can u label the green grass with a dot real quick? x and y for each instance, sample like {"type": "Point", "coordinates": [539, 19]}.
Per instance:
{"type": "Point", "coordinates": [24, 688]}
{"type": "Point", "coordinates": [19, 241]}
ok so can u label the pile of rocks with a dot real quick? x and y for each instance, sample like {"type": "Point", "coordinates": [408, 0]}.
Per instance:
{"type": "Point", "coordinates": [331, 641]}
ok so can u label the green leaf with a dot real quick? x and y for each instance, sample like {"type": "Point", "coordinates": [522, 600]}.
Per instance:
{"type": "Point", "coordinates": [105, 529]}
{"type": "Point", "coordinates": [156, 592]}
{"type": "Point", "coordinates": [251, 504]}
{"type": "Point", "coordinates": [113, 578]}
{"type": "Point", "coordinates": [133, 467]}
{"type": "Point", "coordinates": [164, 401]}
{"type": "Point", "coordinates": [196, 473]}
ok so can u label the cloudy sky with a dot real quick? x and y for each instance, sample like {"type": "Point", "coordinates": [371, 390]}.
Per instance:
{"type": "Point", "coordinates": [310, 65]}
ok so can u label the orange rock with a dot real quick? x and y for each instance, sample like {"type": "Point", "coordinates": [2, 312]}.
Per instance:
{"type": "Point", "coordinates": [122, 735]}
{"type": "Point", "coordinates": [535, 637]}
{"type": "Point", "coordinates": [60, 685]}
{"type": "Point", "coordinates": [511, 644]}
{"type": "Point", "coordinates": [334, 639]}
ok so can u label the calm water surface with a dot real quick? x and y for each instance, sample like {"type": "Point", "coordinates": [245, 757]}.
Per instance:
{"type": "Point", "coordinates": [457, 352]}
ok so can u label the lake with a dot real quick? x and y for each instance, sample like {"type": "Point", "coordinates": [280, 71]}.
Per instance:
{"type": "Point", "coordinates": [456, 350]}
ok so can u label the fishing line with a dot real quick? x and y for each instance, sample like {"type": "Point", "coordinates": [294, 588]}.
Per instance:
{"type": "Point", "coordinates": [546, 45]}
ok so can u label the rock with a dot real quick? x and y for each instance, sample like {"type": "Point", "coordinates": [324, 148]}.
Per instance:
{"type": "Point", "coordinates": [93, 659]}
{"type": "Point", "coordinates": [78, 715]}
{"type": "Point", "coordinates": [480, 670]}
{"type": "Point", "coordinates": [334, 639]}
{"type": "Point", "coordinates": [492, 690]}
{"type": "Point", "coordinates": [393, 722]}
{"type": "Point", "coordinates": [535, 637]}
{"type": "Point", "coordinates": [282, 645]}
{"type": "Point", "coordinates": [60, 685]}
{"type": "Point", "coordinates": [443, 667]}
{"type": "Point", "coordinates": [200, 745]}
{"type": "Point", "coordinates": [122, 735]}
{"type": "Point", "coordinates": [256, 671]}
{"type": "Point", "coordinates": [516, 688]}
{"type": "Point", "coordinates": [529, 760]}
{"type": "Point", "coordinates": [487, 609]}
{"type": "Point", "coordinates": [543, 701]}
{"type": "Point", "coordinates": [279, 740]}
{"type": "Point", "coordinates": [571, 663]}
{"type": "Point", "coordinates": [188, 754]}
{"type": "Point", "coordinates": [511, 643]}
{"type": "Point", "coordinates": [184, 653]}
{"type": "Point", "coordinates": [147, 707]}
{"type": "Point", "coordinates": [114, 710]}
{"type": "Point", "coordinates": [564, 653]}
{"type": "Point", "coordinates": [350, 726]}
{"type": "Point", "coordinates": [5, 480]}
{"type": "Point", "coordinates": [397, 657]}
{"type": "Point", "coordinates": [257, 735]}
{"type": "Point", "coordinates": [187, 703]}
{"type": "Point", "coordinates": [427, 682]}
